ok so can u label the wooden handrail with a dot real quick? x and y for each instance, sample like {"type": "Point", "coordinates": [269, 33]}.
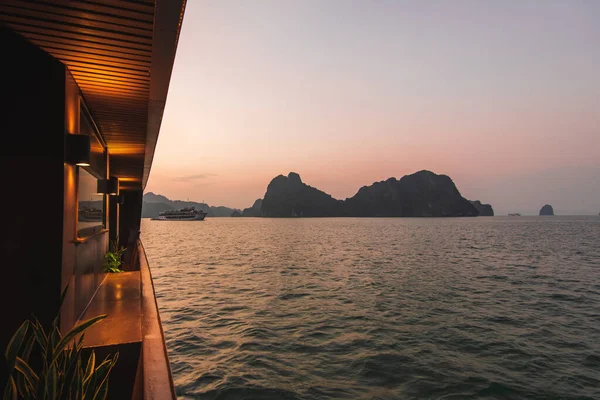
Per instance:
{"type": "Point", "coordinates": [158, 379]}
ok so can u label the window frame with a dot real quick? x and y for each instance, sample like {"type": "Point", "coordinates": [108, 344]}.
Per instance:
{"type": "Point", "coordinates": [85, 117]}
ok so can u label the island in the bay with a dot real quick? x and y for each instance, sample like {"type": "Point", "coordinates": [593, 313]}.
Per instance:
{"type": "Point", "coordinates": [546, 210]}
{"type": "Point", "coordinates": [422, 194]}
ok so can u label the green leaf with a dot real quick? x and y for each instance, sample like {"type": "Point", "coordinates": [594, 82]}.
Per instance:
{"type": "Point", "coordinates": [71, 358]}
{"type": "Point", "coordinates": [76, 382]}
{"type": "Point", "coordinates": [102, 374]}
{"type": "Point", "coordinates": [10, 391]}
{"type": "Point", "coordinates": [62, 297]}
{"type": "Point", "coordinates": [40, 336]}
{"type": "Point", "coordinates": [27, 372]}
{"type": "Point", "coordinates": [77, 330]}
{"type": "Point", "coordinates": [52, 382]}
{"type": "Point", "coordinates": [53, 351]}
{"type": "Point", "coordinates": [14, 346]}
{"type": "Point", "coordinates": [89, 370]}
{"type": "Point", "coordinates": [27, 348]}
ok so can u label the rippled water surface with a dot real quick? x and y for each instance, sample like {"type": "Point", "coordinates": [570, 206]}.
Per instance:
{"type": "Point", "coordinates": [503, 307]}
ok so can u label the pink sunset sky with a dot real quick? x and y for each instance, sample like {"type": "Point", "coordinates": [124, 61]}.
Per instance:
{"type": "Point", "coordinates": [504, 97]}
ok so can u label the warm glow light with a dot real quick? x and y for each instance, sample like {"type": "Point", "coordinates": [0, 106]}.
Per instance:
{"type": "Point", "coordinates": [83, 164]}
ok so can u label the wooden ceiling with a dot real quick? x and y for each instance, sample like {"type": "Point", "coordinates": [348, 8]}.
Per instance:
{"type": "Point", "coordinates": [121, 55]}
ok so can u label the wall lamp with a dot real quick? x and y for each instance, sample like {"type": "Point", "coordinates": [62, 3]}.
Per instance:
{"type": "Point", "coordinates": [77, 150]}
{"type": "Point", "coordinates": [108, 186]}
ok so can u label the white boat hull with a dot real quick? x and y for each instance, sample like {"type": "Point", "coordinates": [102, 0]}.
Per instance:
{"type": "Point", "coordinates": [197, 216]}
{"type": "Point", "coordinates": [194, 218]}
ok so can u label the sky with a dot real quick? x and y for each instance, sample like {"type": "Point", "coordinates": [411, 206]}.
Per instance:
{"type": "Point", "coordinates": [502, 96]}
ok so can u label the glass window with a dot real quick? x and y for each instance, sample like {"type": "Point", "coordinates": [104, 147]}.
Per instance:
{"type": "Point", "coordinates": [90, 214]}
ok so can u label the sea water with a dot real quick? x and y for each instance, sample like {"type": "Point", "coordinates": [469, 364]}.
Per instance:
{"type": "Point", "coordinates": [380, 308]}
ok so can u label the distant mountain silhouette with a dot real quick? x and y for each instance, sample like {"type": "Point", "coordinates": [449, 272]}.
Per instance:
{"type": "Point", "coordinates": [97, 204]}
{"type": "Point", "coordinates": [422, 194]}
{"type": "Point", "coordinates": [290, 197]}
{"type": "Point", "coordinates": [153, 204]}
{"type": "Point", "coordinates": [151, 210]}
{"type": "Point", "coordinates": [485, 210]}
{"type": "Point", "coordinates": [253, 211]}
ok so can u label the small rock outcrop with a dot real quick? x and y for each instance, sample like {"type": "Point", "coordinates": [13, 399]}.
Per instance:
{"type": "Point", "coordinates": [547, 210]}
{"type": "Point", "coordinates": [485, 210]}
{"type": "Point", "coordinates": [253, 211]}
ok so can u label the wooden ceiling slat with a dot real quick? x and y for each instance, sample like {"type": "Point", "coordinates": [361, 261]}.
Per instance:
{"type": "Point", "coordinates": [115, 92]}
{"type": "Point", "coordinates": [122, 113]}
{"type": "Point", "coordinates": [104, 79]}
{"type": "Point", "coordinates": [120, 141]}
{"type": "Point", "coordinates": [90, 40]}
{"type": "Point", "coordinates": [127, 6]}
{"type": "Point", "coordinates": [86, 67]}
{"type": "Point", "coordinates": [105, 9]}
{"type": "Point", "coordinates": [123, 144]}
{"type": "Point", "coordinates": [122, 116]}
{"type": "Point", "coordinates": [122, 128]}
{"type": "Point", "coordinates": [119, 93]}
{"type": "Point", "coordinates": [113, 53]}
{"type": "Point", "coordinates": [91, 26]}
{"type": "Point", "coordinates": [84, 44]}
{"type": "Point", "coordinates": [81, 53]}
{"type": "Point", "coordinates": [119, 84]}
{"type": "Point", "coordinates": [115, 132]}
{"type": "Point", "coordinates": [108, 103]}
{"type": "Point", "coordinates": [107, 99]}
{"type": "Point", "coordinates": [81, 15]}
{"type": "Point", "coordinates": [52, 27]}
{"type": "Point", "coordinates": [115, 135]}
{"type": "Point", "coordinates": [109, 78]}
{"type": "Point", "coordinates": [100, 83]}
{"type": "Point", "coordinates": [98, 60]}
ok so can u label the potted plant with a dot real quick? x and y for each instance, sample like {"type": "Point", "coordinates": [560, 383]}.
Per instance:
{"type": "Point", "coordinates": [48, 365]}
{"type": "Point", "coordinates": [112, 259]}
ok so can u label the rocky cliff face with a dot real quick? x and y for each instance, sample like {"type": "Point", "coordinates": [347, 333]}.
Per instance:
{"type": "Point", "coordinates": [253, 211]}
{"type": "Point", "coordinates": [288, 196]}
{"type": "Point", "coordinates": [422, 194]}
{"type": "Point", "coordinates": [485, 210]}
{"type": "Point", "coordinates": [547, 210]}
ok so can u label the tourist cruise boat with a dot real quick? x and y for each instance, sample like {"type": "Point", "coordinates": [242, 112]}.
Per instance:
{"type": "Point", "coordinates": [185, 214]}
{"type": "Point", "coordinates": [87, 214]}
